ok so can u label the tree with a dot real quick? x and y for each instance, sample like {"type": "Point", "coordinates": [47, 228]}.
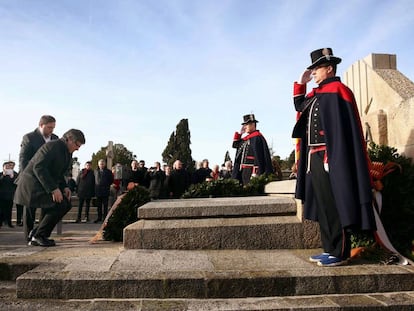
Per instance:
{"type": "Point", "coordinates": [121, 155]}
{"type": "Point", "coordinates": [178, 147]}
{"type": "Point", "coordinates": [227, 157]}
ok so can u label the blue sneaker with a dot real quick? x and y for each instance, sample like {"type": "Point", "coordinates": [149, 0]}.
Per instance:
{"type": "Point", "coordinates": [319, 257]}
{"type": "Point", "coordinates": [332, 261]}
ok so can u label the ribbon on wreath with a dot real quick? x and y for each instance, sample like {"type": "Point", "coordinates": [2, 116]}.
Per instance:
{"type": "Point", "coordinates": [378, 171]}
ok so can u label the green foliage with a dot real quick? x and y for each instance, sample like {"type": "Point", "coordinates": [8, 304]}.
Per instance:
{"type": "Point", "coordinates": [121, 155]}
{"type": "Point", "coordinates": [217, 188]}
{"type": "Point", "coordinates": [178, 147]}
{"type": "Point", "coordinates": [362, 239]}
{"type": "Point", "coordinates": [397, 213]}
{"type": "Point", "coordinates": [125, 213]}
{"type": "Point", "coordinates": [228, 188]}
{"type": "Point", "coordinates": [287, 163]}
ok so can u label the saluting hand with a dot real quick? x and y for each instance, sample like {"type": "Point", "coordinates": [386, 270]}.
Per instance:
{"type": "Point", "coordinates": [305, 77]}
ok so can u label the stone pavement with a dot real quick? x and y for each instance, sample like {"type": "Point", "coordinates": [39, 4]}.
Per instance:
{"type": "Point", "coordinates": [105, 276]}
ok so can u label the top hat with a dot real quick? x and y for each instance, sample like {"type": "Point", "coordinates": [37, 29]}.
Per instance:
{"type": "Point", "coordinates": [249, 118]}
{"type": "Point", "coordinates": [323, 56]}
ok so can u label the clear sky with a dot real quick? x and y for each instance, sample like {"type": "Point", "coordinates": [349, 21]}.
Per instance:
{"type": "Point", "coordinates": [128, 71]}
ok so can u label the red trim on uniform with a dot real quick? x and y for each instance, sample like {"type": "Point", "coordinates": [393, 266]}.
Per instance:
{"type": "Point", "coordinates": [299, 89]}
{"type": "Point", "coordinates": [339, 88]}
{"type": "Point", "coordinates": [254, 134]}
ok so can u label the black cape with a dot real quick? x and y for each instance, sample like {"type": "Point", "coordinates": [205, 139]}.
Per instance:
{"type": "Point", "coordinates": [347, 156]}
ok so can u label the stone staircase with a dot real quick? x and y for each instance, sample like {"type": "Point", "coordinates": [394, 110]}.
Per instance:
{"type": "Point", "coordinates": [220, 254]}
{"type": "Point", "coordinates": [72, 215]}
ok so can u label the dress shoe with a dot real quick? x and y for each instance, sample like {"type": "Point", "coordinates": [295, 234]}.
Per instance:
{"type": "Point", "coordinates": [31, 234]}
{"type": "Point", "coordinates": [19, 224]}
{"type": "Point", "coordinates": [41, 241]}
{"type": "Point", "coordinates": [78, 221]}
{"type": "Point", "coordinates": [51, 241]}
{"type": "Point", "coordinates": [10, 225]}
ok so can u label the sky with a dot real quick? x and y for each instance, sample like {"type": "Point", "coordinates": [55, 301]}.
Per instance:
{"type": "Point", "coordinates": [128, 71]}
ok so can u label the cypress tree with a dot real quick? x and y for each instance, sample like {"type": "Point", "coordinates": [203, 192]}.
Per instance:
{"type": "Point", "coordinates": [178, 147]}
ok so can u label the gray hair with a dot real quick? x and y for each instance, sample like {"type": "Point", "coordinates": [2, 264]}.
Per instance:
{"type": "Point", "coordinates": [75, 135]}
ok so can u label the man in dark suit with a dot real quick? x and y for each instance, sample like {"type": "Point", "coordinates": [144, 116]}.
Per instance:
{"type": "Point", "coordinates": [31, 142]}
{"type": "Point", "coordinates": [42, 183]}
{"type": "Point", "coordinates": [103, 181]}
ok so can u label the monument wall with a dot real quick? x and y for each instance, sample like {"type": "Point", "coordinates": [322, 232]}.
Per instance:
{"type": "Point", "coordinates": [385, 99]}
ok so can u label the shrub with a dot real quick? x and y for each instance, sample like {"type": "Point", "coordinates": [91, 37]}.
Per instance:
{"type": "Point", "coordinates": [125, 213]}
{"type": "Point", "coordinates": [228, 188]}
{"type": "Point", "coordinates": [397, 213]}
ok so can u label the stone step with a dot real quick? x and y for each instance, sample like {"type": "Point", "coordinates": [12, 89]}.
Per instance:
{"type": "Point", "coordinates": [262, 222]}
{"type": "Point", "coordinates": [390, 301]}
{"type": "Point", "coordinates": [216, 233]}
{"type": "Point", "coordinates": [208, 274]}
{"type": "Point", "coordinates": [218, 207]}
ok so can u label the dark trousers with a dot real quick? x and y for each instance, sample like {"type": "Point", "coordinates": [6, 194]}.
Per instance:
{"type": "Point", "coordinates": [6, 212]}
{"type": "Point", "coordinates": [51, 216]}
{"type": "Point", "coordinates": [246, 175]}
{"type": "Point", "coordinates": [19, 213]}
{"type": "Point", "coordinates": [335, 240]}
{"type": "Point", "coordinates": [102, 207]}
{"type": "Point", "coordinates": [87, 202]}
{"type": "Point", "coordinates": [29, 218]}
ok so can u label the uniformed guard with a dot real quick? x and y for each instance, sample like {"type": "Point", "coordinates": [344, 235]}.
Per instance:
{"type": "Point", "coordinates": [252, 155]}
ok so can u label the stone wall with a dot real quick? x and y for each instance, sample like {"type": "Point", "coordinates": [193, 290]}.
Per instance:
{"type": "Point", "coordinates": [385, 99]}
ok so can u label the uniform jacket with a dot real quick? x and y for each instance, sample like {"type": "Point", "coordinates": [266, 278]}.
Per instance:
{"type": "Point", "coordinates": [44, 173]}
{"type": "Point", "coordinates": [86, 184]}
{"type": "Point", "coordinates": [257, 154]}
{"type": "Point", "coordinates": [103, 182]}
{"type": "Point", "coordinates": [31, 142]}
{"type": "Point", "coordinates": [346, 151]}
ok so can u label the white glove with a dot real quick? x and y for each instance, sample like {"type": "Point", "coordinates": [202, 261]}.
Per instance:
{"type": "Point", "coordinates": [305, 77]}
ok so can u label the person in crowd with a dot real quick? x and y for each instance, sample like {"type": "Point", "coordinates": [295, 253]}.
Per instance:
{"type": "Point", "coordinates": [72, 184]}
{"type": "Point", "coordinates": [31, 142]}
{"type": "Point", "coordinates": [333, 177]}
{"type": "Point", "coordinates": [294, 171]}
{"type": "Point", "coordinates": [86, 190]}
{"type": "Point", "coordinates": [7, 189]}
{"type": "Point", "coordinates": [227, 170]}
{"type": "Point", "coordinates": [19, 208]}
{"type": "Point", "coordinates": [42, 184]}
{"type": "Point", "coordinates": [138, 174]}
{"type": "Point", "coordinates": [103, 181]}
{"type": "Point", "coordinates": [116, 187]}
{"type": "Point", "coordinates": [179, 180]}
{"type": "Point", "coordinates": [215, 172]}
{"type": "Point", "coordinates": [165, 190]}
{"type": "Point", "coordinates": [202, 173]}
{"type": "Point", "coordinates": [156, 177]}
{"type": "Point", "coordinates": [252, 154]}
{"type": "Point", "coordinates": [276, 169]}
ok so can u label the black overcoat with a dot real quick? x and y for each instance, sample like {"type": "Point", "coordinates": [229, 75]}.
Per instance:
{"type": "Point", "coordinates": [31, 142]}
{"type": "Point", "coordinates": [103, 182]}
{"type": "Point", "coordinates": [44, 173]}
{"type": "Point", "coordinates": [86, 184]}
